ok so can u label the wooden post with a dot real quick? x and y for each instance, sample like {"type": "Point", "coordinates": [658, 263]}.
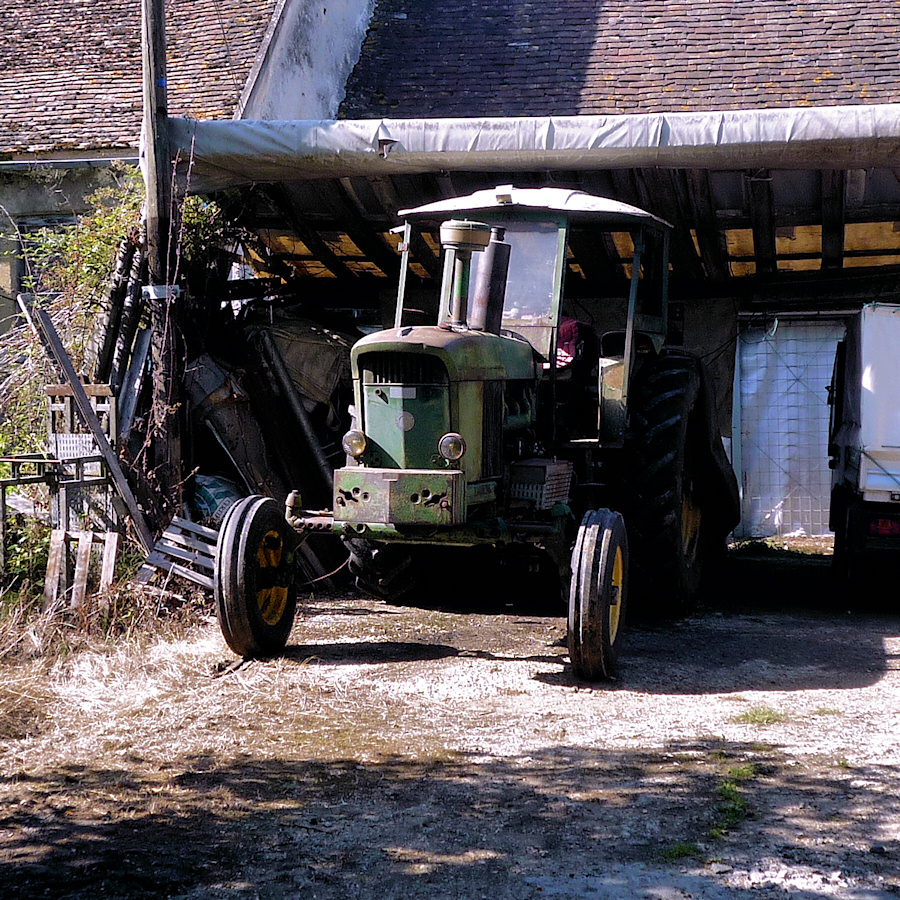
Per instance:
{"type": "Point", "coordinates": [2, 529]}
{"type": "Point", "coordinates": [160, 254]}
{"type": "Point", "coordinates": [157, 172]}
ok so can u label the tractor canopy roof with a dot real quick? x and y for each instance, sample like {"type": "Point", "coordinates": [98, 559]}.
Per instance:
{"type": "Point", "coordinates": [574, 205]}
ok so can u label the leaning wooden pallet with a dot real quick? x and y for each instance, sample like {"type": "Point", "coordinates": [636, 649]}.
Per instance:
{"type": "Point", "coordinates": [185, 549]}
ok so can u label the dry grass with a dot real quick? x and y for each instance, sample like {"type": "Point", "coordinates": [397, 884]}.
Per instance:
{"type": "Point", "coordinates": [61, 663]}
{"type": "Point", "coordinates": [24, 690]}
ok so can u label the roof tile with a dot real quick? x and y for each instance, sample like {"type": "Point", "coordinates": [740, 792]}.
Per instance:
{"type": "Point", "coordinates": [71, 69]}
{"type": "Point", "coordinates": [712, 54]}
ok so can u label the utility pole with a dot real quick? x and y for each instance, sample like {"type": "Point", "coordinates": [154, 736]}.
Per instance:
{"type": "Point", "coordinates": [161, 294]}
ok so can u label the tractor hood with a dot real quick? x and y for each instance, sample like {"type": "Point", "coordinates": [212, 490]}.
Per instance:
{"type": "Point", "coordinates": [467, 355]}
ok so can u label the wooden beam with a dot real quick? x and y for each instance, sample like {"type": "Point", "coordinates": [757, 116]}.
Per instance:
{"type": "Point", "coordinates": [82, 565]}
{"type": "Point", "coordinates": [671, 202]}
{"type": "Point", "coordinates": [445, 186]}
{"type": "Point", "coordinates": [593, 257]}
{"type": "Point", "coordinates": [167, 407]}
{"type": "Point", "coordinates": [158, 171]}
{"type": "Point", "coordinates": [833, 186]}
{"type": "Point", "coordinates": [762, 221]}
{"type": "Point", "coordinates": [372, 245]}
{"type": "Point", "coordinates": [710, 238]}
{"type": "Point", "coordinates": [624, 186]}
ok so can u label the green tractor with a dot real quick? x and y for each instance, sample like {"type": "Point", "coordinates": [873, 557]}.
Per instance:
{"type": "Point", "coordinates": [513, 425]}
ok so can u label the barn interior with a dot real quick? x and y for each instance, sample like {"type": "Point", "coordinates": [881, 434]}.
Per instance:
{"type": "Point", "coordinates": [786, 215]}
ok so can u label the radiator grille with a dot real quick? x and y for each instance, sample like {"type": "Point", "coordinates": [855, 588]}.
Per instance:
{"type": "Point", "coordinates": [492, 434]}
{"type": "Point", "coordinates": [402, 368]}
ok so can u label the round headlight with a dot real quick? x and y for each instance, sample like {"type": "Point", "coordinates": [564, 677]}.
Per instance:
{"type": "Point", "coordinates": [451, 446]}
{"type": "Point", "coordinates": [354, 443]}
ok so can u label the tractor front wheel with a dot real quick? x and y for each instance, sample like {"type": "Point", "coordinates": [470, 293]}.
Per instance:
{"type": "Point", "coordinates": [254, 578]}
{"type": "Point", "coordinates": [597, 595]}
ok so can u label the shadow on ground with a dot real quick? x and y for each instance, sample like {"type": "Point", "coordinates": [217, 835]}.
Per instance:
{"type": "Point", "coordinates": [769, 622]}
{"type": "Point", "coordinates": [772, 622]}
{"type": "Point", "coordinates": [453, 828]}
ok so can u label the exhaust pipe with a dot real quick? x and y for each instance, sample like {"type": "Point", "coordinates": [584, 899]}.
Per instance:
{"type": "Point", "coordinates": [490, 285]}
{"type": "Point", "coordinates": [460, 239]}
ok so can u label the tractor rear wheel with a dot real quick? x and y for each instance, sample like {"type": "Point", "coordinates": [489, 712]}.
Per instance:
{"type": "Point", "coordinates": [597, 595]}
{"type": "Point", "coordinates": [254, 578]}
{"type": "Point", "coordinates": [672, 517]}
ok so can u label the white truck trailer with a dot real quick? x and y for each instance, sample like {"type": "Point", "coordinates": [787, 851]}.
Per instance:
{"type": "Point", "coordinates": [864, 439]}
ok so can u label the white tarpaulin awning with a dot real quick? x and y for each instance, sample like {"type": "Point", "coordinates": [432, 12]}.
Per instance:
{"type": "Point", "coordinates": [213, 155]}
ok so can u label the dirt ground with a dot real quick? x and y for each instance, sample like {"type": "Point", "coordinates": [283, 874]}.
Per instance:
{"type": "Point", "coordinates": [750, 750]}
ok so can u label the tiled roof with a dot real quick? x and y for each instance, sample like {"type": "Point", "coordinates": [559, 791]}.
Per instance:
{"type": "Point", "coordinates": [424, 58]}
{"type": "Point", "coordinates": [70, 70]}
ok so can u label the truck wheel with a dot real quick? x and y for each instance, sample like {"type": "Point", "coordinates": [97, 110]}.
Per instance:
{"type": "Point", "coordinates": [671, 516]}
{"type": "Point", "coordinates": [253, 578]}
{"type": "Point", "coordinates": [597, 595]}
{"type": "Point", "coordinates": [846, 562]}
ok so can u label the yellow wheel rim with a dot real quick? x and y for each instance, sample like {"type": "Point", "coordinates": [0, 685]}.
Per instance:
{"type": "Point", "coordinates": [269, 552]}
{"type": "Point", "coordinates": [615, 601]}
{"type": "Point", "coordinates": [272, 601]}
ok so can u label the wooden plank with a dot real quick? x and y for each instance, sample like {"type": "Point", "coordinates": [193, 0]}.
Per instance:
{"type": "Point", "coordinates": [196, 528]}
{"type": "Point", "coordinates": [160, 562]}
{"type": "Point", "coordinates": [45, 326]}
{"type": "Point", "coordinates": [196, 577]}
{"type": "Point", "coordinates": [108, 567]}
{"type": "Point", "coordinates": [175, 537]}
{"type": "Point", "coordinates": [82, 565]}
{"type": "Point", "coordinates": [155, 558]}
{"type": "Point", "coordinates": [198, 559]}
{"type": "Point", "coordinates": [182, 544]}
{"type": "Point", "coordinates": [147, 571]}
{"type": "Point", "coordinates": [65, 390]}
{"type": "Point", "coordinates": [54, 566]}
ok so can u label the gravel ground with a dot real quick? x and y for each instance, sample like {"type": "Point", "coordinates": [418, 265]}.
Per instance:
{"type": "Point", "coordinates": [749, 750]}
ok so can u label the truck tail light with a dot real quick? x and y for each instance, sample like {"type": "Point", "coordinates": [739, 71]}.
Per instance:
{"type": "Point", "coordinates": [884, 527]}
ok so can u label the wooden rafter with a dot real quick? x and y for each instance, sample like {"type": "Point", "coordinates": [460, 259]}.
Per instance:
{"type": "Point", "coordinates": [669, 195]}
{"type": "Point", "coordinates": [384, 190]}
{"type": "Point", "coordinates": [593, 257]}
{"type": "Point", "coordinates": [309, 236]}
{"type": "Point", "coordinates": [361, 232]}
